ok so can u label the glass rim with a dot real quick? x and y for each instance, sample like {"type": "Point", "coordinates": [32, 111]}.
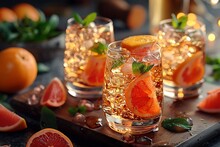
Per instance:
{"type": "Point", "coordinates": [167, 21]}
{"type": "Point", "coordinates": [106, 21]}
{"type": "Point", "coordinates": [117, 47]}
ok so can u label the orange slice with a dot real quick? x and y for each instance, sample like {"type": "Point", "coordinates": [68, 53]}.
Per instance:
{"type": "Point", "coordinates": [93, 74]}
{"type": "Point", "coordinates": [54, 94]}
{"type": "Point", "coordinates": [10, 122]}
{"type": "Point", "coordinates": [210, 104]}
{"type": "Point", "coordinates": [190, 71]}
{"type": "Point", "coordinates": [139, 43]}
{"type": "Point", "coordinates": [49, 137]}
{"type": "Point", "coordinates": [140, 97]}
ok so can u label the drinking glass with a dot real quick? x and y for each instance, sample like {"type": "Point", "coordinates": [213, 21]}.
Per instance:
{"type": "Point", "coordinates": [183, 58]}
{"type": "Point", "coordinates": [132, 101]}
{"type": "Point", "coordinates": [84, 67]}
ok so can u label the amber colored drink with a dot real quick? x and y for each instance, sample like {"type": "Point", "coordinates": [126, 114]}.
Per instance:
{"type": "Point", "coordinates": [133, 89]}
{"type": "Point", "coordinates": [84, 68]}
{"type": "Point", "coordinates": [183, 58]}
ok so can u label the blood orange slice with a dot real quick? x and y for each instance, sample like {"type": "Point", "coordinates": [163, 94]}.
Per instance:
{"type": "Point", "coordinates": [10, 121]}
{"type": "Point", "coordinates": [93, 74]}
{"type": "Point", "coordinates": [49, 138]}
{"type": "Point", "coordinates": [54, 94]}
{"type": "Point", "coordinates": [140, 96]}
{"type": "Point", "coordinates": [210, 104]}
{"type": "Point", "coordinates": [190, 71]}
{"type": "Point", "coordinates": [139, 43]}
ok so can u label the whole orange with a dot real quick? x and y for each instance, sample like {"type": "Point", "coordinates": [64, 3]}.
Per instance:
{"type": "Point", "coordinates": [23, 10]}
{"type": "Point", "coordinates": [18, 69]}
{"type": "Point", "coordinates": [7, 15]}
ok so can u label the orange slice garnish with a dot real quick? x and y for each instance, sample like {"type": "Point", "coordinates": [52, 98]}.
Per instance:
{"type": "Point", "coordinates": [190, 71]}
{"type": "Point", "coordinates": [139, 43]}
{"type": "Point", "coordinates": [140, 97]}
{"type": "Point", "coordinates": [93, 74]}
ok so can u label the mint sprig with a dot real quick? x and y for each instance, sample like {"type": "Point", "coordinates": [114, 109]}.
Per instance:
{"type": "Point", "coordinates": [179, 23]}
{"type": "Point", "coordinates": [214, 62]}
{"type": "Point", "coordinates": [87, 20]}
{"type": "Point", "coordinates": [140, 68]}
{"type": "Point", "coordinates": [117, 63]}
{"type": "Point", "coordinates": [73, 110]}
{"type": "Point", "coordinates": [99, 48]}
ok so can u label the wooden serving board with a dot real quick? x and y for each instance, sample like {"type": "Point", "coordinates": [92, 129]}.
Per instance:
{"type": "Point", "coordinates": [105, 136]}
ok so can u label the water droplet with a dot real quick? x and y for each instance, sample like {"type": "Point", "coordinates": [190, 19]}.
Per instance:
{"type": "Point", "coordinates": [144, 140]}
{"type": "Point", "coordinates": [128, 138]}
{"type": "Point", "coordinates": [79, 118]}
{"type": "Point", "coordinates": [93, 122]}
{"type": "Point", "coordinates": [88, 104]}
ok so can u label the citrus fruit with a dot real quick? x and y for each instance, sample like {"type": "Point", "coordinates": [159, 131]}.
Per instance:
{"type": "Point", "coordinates": [93, 74]}
{"type": "Point", "coordinates": [140, 97]}
{"type": "Point", "coordinates": [10, 121]}
{"type": "Point", "coordinates": [210, 104]}
{"type": "Point", "coordinates": [54, 94]}
{"type": "Point", "coordinates": [7, 15]}
{"type": "Point", "coordinates": [49, 137]}
{"type": "Point", "coordinates": [139, 43]}
{"type": "Point", "coordinates": [18, 69]}
{"type": "Point", "coordinates": [190, 71]}
{"type": "Point", "coordinates": [23, 10]}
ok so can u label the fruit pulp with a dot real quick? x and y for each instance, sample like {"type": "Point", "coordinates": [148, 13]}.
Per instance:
{"type": "Point", "coordinates": [79, 41]}
{"type": "Point", "coordinates": [119, 115]}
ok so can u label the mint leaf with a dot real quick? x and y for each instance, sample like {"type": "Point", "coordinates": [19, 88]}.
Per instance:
{"type": "Point", "coordinates": [215, 65]}
{"type": "Point", "coordinates": [89, 18]}
{"type": "Point", "coordinates": [77, 18]}
{"type": "Point", "coordinates": [73, 110]}
{"type": "Point", "coordinates": [99, 48]}
{"type": "Point", "coordinates": [178, 124]}
{"type": "Point", "coordinates": [179, 23]}
{"type": "Point", "coordinates": [82, 109]}
{"type": "Point", "coordinates": [48, 118]}
{"type": "Point", "coordinates": [140, 68]}
{"type": "Point", "coordinates": [85, 22]}
{"type": "Point", "coordinates": [117, 63]}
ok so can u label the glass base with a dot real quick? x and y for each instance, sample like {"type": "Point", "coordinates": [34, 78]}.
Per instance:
{"type": "Point", "coordinates": [173, 91]}
{"type": "Point", "coordinates": [83, 91]}
{"type": "Point", "coordinates": [134, 127]}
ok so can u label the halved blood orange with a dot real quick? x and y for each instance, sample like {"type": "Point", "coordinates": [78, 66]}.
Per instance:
{"type": "Point", "coordinates": [49, 138]}
{"type": "Point", "coordinates": [210, 104]}
{"type": "Point", "coordinates": [10, 121]}
{"type": "Point", "coordinates": [54, 94]}
{"type": "Point", "coordinates": [190, 71]}
{"type": "Point", "coordinates": [140, 97]}
{"type": "Point", "coordinates": [93, 74]}
{"type": "Point", "coordinates": [139, 43]}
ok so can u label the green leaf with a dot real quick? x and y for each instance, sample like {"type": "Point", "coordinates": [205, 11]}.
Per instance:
{"type": "Point", "coordinates": [179, 23]}
{"type": "Point", "coordinates": [82, 109]}
{"type": "Point", "coordinates": [77, 18]}
{"type": "Point", "coordinates": [48, 118]}
{"type": "Point", "coordinates": [117, 63]}
{"type": "Point", "coordinates": [177, 125]}
{"type": "Point", "coordinates": [89, 18]}
{"type": "Point", "coordinates": [73, 110]}
{"type": "Point", "coordinates": [140, 68]}
{"type": "Point", "coordinates": [54, 21]}
{"type": "Point", "coordinates": [99, 48]}
{"type": "Point", "coordinates": [42, 68]}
